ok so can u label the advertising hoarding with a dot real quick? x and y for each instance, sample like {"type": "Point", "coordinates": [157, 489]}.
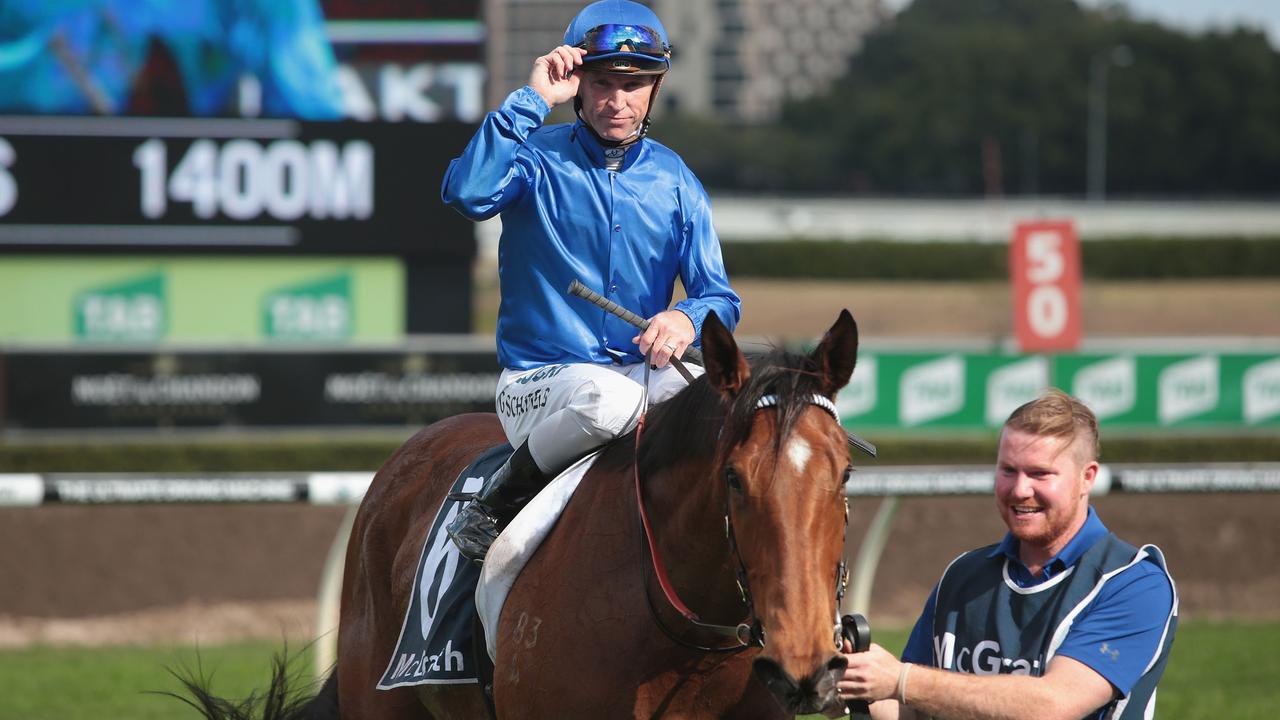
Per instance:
{"type": "Point", "coordinates": [224, 389]}
{"type": "Point", "coordinates": [151, 299]}
{"type": "Point", "coordinates": [432, 378]}
{"type": "Point", "coordinates": [964, 391]}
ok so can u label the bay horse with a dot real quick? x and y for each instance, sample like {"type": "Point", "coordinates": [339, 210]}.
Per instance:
{"type": "Point", "coordinates": [741, 478]}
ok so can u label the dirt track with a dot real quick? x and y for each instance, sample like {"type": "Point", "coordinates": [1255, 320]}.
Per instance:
{"type": "Point", "coordinates": [783, 309]}
{"type": "Point", "coordinates": [77, 575]}
{"type": "Point", "coordinates": [152, 574]}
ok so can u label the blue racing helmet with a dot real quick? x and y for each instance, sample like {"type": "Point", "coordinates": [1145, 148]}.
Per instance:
{"type": "Point", "coordinates": [620, 36]}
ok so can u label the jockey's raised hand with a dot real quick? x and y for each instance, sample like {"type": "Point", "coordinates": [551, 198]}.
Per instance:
{"type": "Point", "coordinates": [553, 75]}
{"type": "Point", "coordinates": [669, 333]}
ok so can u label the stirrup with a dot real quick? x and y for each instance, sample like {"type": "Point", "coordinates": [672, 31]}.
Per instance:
{"type": "Point", "coordinates": [473, 532]}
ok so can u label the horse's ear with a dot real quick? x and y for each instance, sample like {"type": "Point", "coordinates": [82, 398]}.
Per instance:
{"type": "Point", "coordinates": [836, 355]}
{"type": "Point", "coordinates": [726, 367]}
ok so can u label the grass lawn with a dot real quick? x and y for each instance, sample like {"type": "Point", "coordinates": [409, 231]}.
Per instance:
{"type": "Point", "coordinates": [120, 683]}
{"type": "Point", "coordinates": [1224, 670]}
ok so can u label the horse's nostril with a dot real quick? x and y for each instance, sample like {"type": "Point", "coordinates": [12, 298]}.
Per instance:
{"type": "Point", "coordinates": [824, 679]}
{"type": "Point", "coordinates": [809, 695]}
{"type": "Point", "coordinates": [773, 676]}
{"type": "Point", "coordinates": [779, 682]}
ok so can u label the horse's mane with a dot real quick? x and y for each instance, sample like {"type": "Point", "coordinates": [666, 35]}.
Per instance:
{"type": "Point", "coordinates": [692, 422]}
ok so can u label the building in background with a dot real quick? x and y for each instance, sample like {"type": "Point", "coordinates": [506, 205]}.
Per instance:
{"type": "Point", "coordinates": [742, 59]}
{"type": "Point", "coordinates": [735, 59]}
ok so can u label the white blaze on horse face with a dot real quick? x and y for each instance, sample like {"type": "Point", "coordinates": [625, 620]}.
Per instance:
{"type": "Point", "coordinates": [799, 452]}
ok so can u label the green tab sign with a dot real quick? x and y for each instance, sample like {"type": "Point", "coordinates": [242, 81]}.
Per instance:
{"type": "Point", "coordinates": [204, 300]}
{"type": "Point", "coordinates": [1127, 390]}
{"type": "Point", "coordinates": [317, 310]}
{"type": "Point", "coordinates": [1204, 390]}
{"type": "Point", "coordinates": [1260, 383]}
{"type": "Point", "coordinates": [132, 310]}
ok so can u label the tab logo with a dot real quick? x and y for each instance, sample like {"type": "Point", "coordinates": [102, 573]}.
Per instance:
{"type": "Point", "coordinates": [1261, 387]}
{"type": "Point", "coordinates": [321, 309]}
{"type": "Point", "coordinates": [1014, 384]}
{"type": "Point", "coordinates": [859, 396]}
{"type": "Point", "coordinates": [1109, 387]}
{"type": "Point", "coordinates": [128, 311]}
{"type": "Point", "coordinates": [931, 390]}
{"type": "Point", "coordinates": [1188, 388]}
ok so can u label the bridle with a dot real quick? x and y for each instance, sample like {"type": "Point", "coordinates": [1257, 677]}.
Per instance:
{"type": "Point", "coordinates": [746, 634]}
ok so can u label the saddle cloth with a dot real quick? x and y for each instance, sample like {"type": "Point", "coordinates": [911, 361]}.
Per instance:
{"type": "Point", "coordinates": [436, 638]}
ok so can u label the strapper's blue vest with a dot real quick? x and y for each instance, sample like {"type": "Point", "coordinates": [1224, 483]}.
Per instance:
{"type": "Point", "coordinates": [984, 624]}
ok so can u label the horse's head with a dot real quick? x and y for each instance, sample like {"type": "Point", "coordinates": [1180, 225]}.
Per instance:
{"type": "Point", "coordinates": [785, 459]}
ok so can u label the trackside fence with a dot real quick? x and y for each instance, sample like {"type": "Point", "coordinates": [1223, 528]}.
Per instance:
{"type": "Point", "coordinates": [336, 488]}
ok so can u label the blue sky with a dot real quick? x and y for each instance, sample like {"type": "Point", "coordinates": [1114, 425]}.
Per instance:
{"type": "Point", "coordinates": [1195, 15]}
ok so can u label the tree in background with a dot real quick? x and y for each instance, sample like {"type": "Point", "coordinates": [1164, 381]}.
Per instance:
{"type": "Point", "coordinates": [992, 97]}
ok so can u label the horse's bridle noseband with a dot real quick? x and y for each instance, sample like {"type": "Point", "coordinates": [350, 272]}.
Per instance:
{"type": "Point", "coordinates": [747, 634]}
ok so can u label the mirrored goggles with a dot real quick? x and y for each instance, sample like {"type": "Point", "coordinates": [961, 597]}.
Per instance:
{"type": "Point", "coordinates": [611, 38]}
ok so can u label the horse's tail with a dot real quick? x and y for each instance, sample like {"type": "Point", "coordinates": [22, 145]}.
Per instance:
{"type": "Point", "coordinates": [286, 698]}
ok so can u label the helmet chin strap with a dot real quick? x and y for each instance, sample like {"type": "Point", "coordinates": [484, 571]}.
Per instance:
{"type": "Point", "coordinates": [634, 137]}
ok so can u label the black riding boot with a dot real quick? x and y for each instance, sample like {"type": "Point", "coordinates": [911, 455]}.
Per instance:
{"type": "Point", "coordinates": [504, 493]}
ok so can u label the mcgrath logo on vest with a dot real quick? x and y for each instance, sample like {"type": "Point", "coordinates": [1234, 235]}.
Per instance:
{"type": "Point", "coordinates": [981, 659]}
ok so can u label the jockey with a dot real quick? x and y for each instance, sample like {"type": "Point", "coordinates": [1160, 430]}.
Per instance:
{"type": "Point", "coordinates": [593, 200]}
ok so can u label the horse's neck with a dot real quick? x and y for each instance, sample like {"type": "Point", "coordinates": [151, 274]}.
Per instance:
{"type": "Point", "coordinates": [686, 507]}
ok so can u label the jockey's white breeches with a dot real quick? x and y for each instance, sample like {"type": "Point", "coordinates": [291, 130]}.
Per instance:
{"type": "Point", "coordinates": [567, 410]}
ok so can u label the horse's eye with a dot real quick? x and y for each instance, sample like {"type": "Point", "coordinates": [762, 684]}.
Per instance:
{"type": "Point", "coordinates": [731, 477]}
{"type": "Point", "coordinates": [848, 473]}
